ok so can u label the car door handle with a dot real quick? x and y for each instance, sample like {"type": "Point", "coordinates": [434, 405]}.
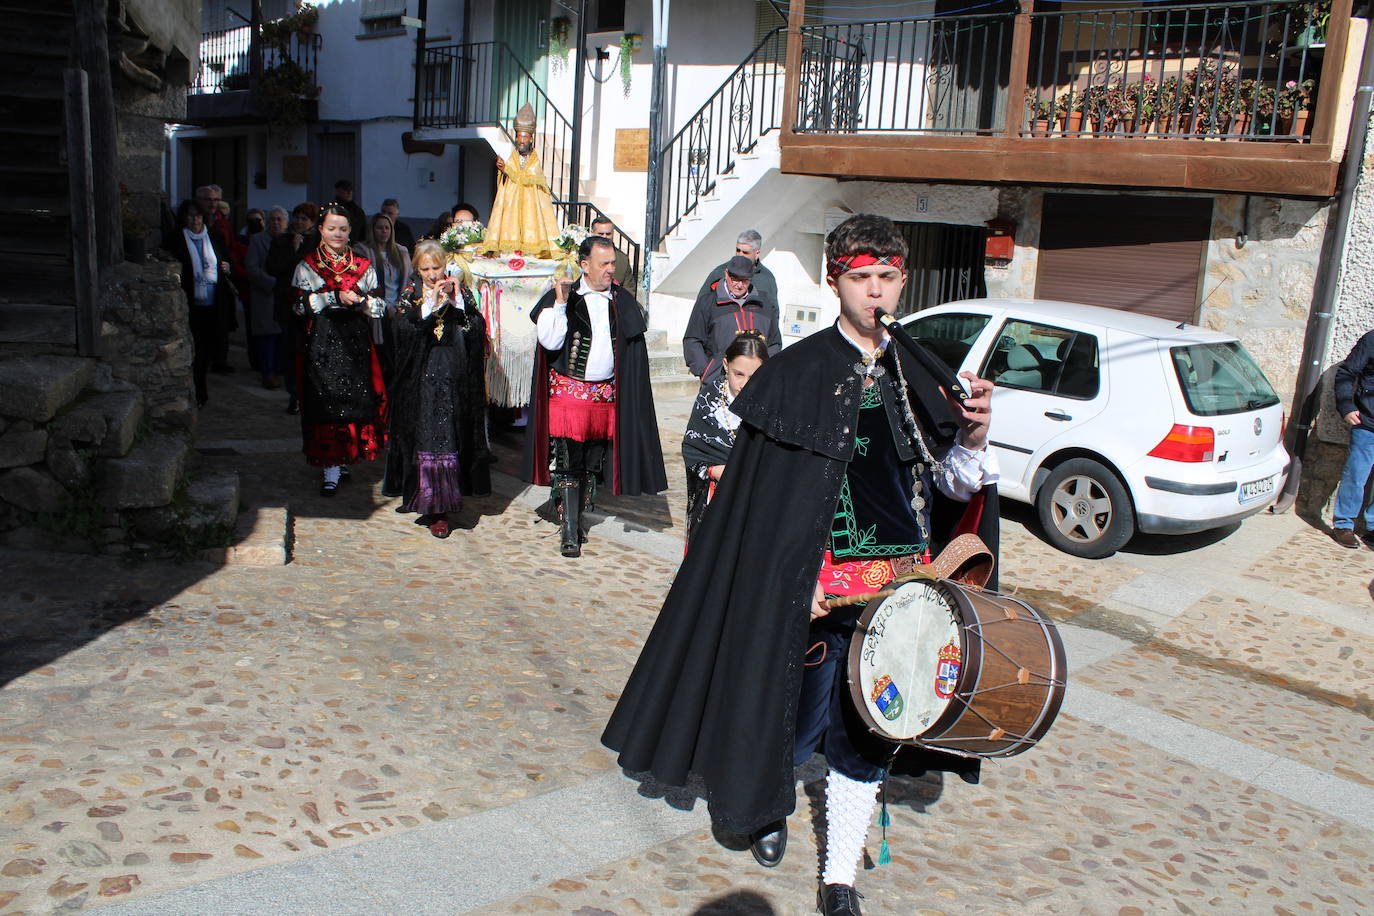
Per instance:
{"type": "Point", "coordinates": [1057, 415]}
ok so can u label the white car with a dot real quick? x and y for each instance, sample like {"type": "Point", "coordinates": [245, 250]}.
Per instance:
{"type": "Point", "coordinates": [1111, 422]}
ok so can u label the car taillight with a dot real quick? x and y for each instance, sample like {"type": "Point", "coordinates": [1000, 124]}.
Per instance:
{"type": "Point", "coordinates": [1186, 443]}
{"type": "Point", "coordinates": [1283, 425]}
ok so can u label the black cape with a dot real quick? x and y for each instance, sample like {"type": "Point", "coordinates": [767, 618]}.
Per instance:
{"type": "Point", "coordinates": [410, 339]}
{"type": "Point", "coordinates": [715, 690]}
{"type": "Point", "coordinates": [638, 460]}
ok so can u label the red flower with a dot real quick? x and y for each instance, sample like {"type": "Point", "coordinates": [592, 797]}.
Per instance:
{"type": "Point", "coordinates": [516, 263]}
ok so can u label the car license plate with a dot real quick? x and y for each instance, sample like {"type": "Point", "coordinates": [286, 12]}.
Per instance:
{"type": "Point", "coordinates": [1256, 489]}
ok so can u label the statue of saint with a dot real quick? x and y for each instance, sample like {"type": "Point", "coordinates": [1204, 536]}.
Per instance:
{"type": "Point", "coordinates": [522, 217]}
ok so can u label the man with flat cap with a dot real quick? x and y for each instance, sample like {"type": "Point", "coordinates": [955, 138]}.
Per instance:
{"type": "Point", "coordinates": [725, 309]}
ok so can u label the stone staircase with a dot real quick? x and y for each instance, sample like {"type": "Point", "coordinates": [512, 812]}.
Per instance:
{"type": "Point", "coordinates": [668, 373]}
{"type": "Point", "coordinates": [81, 471]}
{"type": "Point", "coordinates": [38, 307]}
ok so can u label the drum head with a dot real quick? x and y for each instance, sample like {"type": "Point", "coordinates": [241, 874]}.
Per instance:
{"type": "Point", "coordinates": [905, 660]}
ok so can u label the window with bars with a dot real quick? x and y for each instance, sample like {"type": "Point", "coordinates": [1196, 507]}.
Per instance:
{"type": "Point", "coordinates": [382, 15]}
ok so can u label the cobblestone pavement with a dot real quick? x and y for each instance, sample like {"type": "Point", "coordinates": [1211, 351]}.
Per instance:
{"type": "Point", "coordinates": [387, 696]}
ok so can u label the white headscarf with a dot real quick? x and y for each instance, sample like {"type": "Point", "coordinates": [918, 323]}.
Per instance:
{"type": "Point", "coordinates": [204, 264]}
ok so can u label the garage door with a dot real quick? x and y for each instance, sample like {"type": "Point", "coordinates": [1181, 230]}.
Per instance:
{"type": "Point", "coordinates": [1139, 254]}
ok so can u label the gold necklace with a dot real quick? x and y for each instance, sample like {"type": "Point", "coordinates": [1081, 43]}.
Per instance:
{"type": "Point", "coordinates": [337, 264]}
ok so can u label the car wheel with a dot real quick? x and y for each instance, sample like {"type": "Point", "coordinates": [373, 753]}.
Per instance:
{"type": "Point", "coordinates": [1085, 510]}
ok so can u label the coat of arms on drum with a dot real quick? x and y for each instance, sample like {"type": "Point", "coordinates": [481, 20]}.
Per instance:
{"type": "Point", "coordinates": [886, 698]}
{"type": "Point", "coordinates": [947, 671]}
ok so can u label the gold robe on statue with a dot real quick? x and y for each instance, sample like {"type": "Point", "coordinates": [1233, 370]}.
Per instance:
{"type": "Point", "coordinates": [522, 217]}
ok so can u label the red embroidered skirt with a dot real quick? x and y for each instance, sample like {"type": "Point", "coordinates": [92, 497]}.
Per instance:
{"type": "Point", "coordinates": [581, 410]}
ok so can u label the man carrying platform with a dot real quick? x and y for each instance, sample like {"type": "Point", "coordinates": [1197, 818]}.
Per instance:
{"type": "Point", "coordinates": [592, 411]}
{"type": "Point", "coordinates": [851, 460]}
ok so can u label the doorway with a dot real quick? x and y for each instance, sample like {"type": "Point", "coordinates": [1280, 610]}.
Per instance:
{"type": "Point", "coordinates": [222, 161]}
{"type": "Point", "coordinates": [335, 156]}
{"type": "Point", "coordinates": [944, 263]}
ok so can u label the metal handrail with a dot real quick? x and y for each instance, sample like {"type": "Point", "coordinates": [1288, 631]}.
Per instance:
{"type": "Point", "coordinates": [728, 124]}
{"type": "Point", "coordinates": [584, 213]}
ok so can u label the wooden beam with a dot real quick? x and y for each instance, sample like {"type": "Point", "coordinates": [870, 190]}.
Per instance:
{"type": "Point", "coordinates": [1020, 63]}
{"type": "Point", "coordinates": [91, 44]}
{"type": "Point", "coordinates": [791, 86]}
{"type": "Point", "coordinates": [1082, 165]}
{"type": "Point", "coordinates": [81, 188]}
{"type": "Point", "coordinates": [1333, 69]}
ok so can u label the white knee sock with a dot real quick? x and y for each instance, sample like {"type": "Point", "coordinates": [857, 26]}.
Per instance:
{"type": "Point", "coordinates": [849, 808]}
{"type": "Point", "coordinates": [333, 473]}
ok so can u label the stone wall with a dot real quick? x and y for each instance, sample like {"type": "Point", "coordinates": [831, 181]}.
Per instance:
{"type": "Point", "coordinates": [146, 339]}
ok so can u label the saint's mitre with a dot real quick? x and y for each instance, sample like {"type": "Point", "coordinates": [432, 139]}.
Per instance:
{"type": "Point", "coordinates": [524, 118]}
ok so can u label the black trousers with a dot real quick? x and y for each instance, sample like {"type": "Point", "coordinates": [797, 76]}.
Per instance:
{"type": "Point", "coordinates": [205, 338]}
{"type": "Point", "coordinates": [575, 459]}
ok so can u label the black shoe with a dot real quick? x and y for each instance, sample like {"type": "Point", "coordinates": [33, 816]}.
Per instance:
{"type": "Point", "coordinates": [328, 488]}
{"type": "Point", "coordinates": [769, 844]}
{"type": "Point", "coordinates": [222, 369]}
{"type": "Point", "coordinates": [838, 900]}
{"type": "Point", "coordinates": [1346, 538]}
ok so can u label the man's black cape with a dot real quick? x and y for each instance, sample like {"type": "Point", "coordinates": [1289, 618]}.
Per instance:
{"type": "Point", "coordinates": [637, 469]}
{"type": "Point", "coordinates": [715, 690]}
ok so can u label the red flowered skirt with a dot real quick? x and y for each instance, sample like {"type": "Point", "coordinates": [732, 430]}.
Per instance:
{"type": "Point", "coordinates": [581, 410]}
{"type": "Point", "coordinates": [857, 577]}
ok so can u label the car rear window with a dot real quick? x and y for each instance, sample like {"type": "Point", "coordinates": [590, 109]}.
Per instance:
{"type": "Point", "coordinates": [948, 336]}
{"type": "Point", "coordinates": [1221, 378]}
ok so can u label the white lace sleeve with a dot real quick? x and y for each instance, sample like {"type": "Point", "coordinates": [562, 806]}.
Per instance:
{"type": "Point", "coordinates": [965, 472]}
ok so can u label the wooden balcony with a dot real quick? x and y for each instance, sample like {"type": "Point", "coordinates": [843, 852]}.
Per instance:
{"type": "Point", "coordinates": [1238, 97]}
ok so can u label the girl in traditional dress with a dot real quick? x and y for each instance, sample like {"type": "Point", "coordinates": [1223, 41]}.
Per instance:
{"type": "Point", "coordinates": [439, 449]}
{"type": "Point", "coordinates": [711, 429]}
{"type": "Point", "coordinates": [343, 399]}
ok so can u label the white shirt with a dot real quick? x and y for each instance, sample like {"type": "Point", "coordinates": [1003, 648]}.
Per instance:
{"type": "Point", "coordinates": [963, 472]}
{"type": "Point", "coordinates": [552, 328]}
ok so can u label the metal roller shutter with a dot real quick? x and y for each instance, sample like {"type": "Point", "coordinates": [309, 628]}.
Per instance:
{"type": "Point", "coordinates": [1138, 254]}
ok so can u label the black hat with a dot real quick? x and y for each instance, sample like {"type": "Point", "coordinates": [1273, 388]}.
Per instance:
{"type": "Point", "coordinates": [740, 267]}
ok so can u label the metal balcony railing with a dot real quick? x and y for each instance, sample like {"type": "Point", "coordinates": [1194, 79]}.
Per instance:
{"type": "Point", "coordinates": [746, 107]}
{"type": "Point", "coordinates": [226, 60]}
{"type": "Point", "coordinates": [1212, 70]}
{"type": "Point", "coordinates": [1215, 70]}
{"type": "Point", "coordinates": [583, 213]}
{"type": "Point", "coordinates": [935, 74]}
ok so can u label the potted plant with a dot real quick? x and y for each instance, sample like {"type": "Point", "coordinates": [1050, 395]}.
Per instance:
{"type": "Point", "coordinates": [1295, 108]}
{"type": "Point", "coordinates": [629, 44]}
{"type": "Point", "coordinates": [278, 32]}
{"type": "Point", "coordinates": [1241, 106]}
{"type": "Point", "coordinates": [1095, 109]}
{"type": "Point", "coordinates": [1040, 112]}
{"type": "Point", "coordinates": [282, 90]}
{"type": "Point", "coordinates": [1266, 103]}
{"type": "Point", "coordinates": [1313, 34]}
{"type": "Point", "coordinates": [1143, 99]}
{"type": "Point", "coordinates": [558, 42]}
{"type": "Point", "coordinates": [1069, 107]}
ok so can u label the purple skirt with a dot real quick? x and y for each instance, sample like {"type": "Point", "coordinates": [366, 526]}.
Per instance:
{"type": "Point", "coordinates": [436, 489]}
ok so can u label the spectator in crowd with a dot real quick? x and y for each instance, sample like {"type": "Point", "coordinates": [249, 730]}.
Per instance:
{"type": "Point", "coordinates": [1355, 401]}
{"type": "Point", "coordinates": [205, 279]}
{"type": "Point", "coordinates": [728, 307]}
{"type": "Point", "coordinates": [389, 259]}
{"type": "Point", "coordinates": [603, 227]}
{"type": "Point", "coordinates": [284, 254]}
{"type": "Point", "coordinates": [222, 222]}
{"type": "Point", "coordinates": [265, 332]}
{"type": "Point", "coordinates": [254, 221]}
{"type": "Point", "coordinates": [458, 213]}
{"type": "Point", "coordinates": [404, 237]}
{"type": "Point", "coordinates": [343, 195]}
{"type": "Point", "coordinates": [750, 245]}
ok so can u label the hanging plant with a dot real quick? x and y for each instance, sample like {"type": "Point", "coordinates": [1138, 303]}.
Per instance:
{"type": "Point", "coordinates": [629, 42]}
{"type": "Point", "coordinates": [283, 89]}
{"type": "Point", "coordinates": [558, 42]}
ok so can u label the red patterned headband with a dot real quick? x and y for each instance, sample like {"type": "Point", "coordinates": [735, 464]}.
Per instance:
{"type": "Point", "coordinates": [845, 263]}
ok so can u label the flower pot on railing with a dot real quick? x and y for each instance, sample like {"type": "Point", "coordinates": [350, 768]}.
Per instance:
{"type": "Point", "coordinates": [1040, 127]}
{"type": "Point", "coordinates": [1073, 123]}
{"type": "Point", "coordinates": [1294, 126]}
{"type": "Point", "coordinates": [1240, 126]}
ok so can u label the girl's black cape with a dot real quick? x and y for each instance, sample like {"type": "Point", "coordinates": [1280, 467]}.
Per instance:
{"type": "Point", "coordinates": [715, 690]}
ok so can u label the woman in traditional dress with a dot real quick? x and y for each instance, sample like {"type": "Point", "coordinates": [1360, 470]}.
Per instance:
{"type": "Point", "coordinates": [439, 450]}
{"type": "Point", "coordinates": [711, 429]}
{"type": "Point", "coordinates": [343, 399]}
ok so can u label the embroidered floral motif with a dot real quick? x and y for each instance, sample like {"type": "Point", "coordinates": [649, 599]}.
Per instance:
{"type": "Point", "coordinates": [562, 386]}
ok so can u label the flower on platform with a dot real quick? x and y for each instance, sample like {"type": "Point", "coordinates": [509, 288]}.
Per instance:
{"type": "Point", "coordinates": [571, 236]}
{"type": "Point", "coordinates": [468, 232]}
{"type": "Point", "coordinates": [516, 262]}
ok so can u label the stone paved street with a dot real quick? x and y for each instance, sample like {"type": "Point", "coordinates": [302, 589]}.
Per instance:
{"type": "Point", "coordinates": [396, 725]}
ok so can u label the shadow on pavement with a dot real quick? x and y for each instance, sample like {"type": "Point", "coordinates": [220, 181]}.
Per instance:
{"type": "Point", "coordinates": [739, 903]}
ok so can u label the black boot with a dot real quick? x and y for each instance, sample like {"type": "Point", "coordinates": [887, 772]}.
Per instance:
{"type": "Point", "coordinates": [769, 844]}
{"type": "Point", "coordinates": [569, 518]}
{"type": "Point", "coordinates": [838, 900]}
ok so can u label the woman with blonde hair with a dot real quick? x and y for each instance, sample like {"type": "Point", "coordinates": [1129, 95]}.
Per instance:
{"type": "Point", "coordinates": [437, 385]}
{"type": "Point", "coordinates": [391, 261]}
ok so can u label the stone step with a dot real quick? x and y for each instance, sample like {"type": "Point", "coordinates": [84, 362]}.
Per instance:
{"type": "Point", "coordinates": [673, 386]}
{"type": "Point", "coordinates": [107, 421]}
{"type": "Point", "coordinates": [37, 387]}
{"type": "Point", "coordinates": [262, 537]}
{"type": "Point", "coordinates": [666, 363]}
{"type": "Point", "coordinates": [146, 477]}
